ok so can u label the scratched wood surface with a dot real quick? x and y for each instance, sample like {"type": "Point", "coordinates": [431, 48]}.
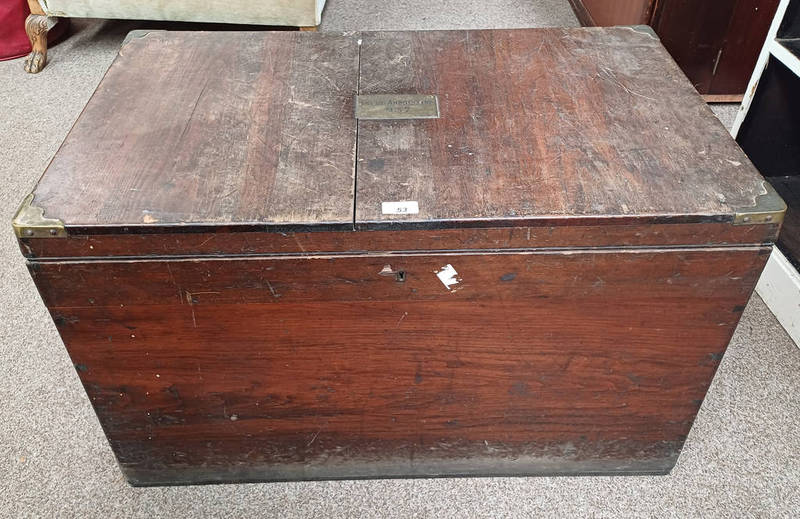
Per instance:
{"type": "Point", "coordinates": [258, 128]}
{"type": "Point", "coordinates": [534, 123]}
{"type": "Point", "coordinates": [296, 368]}
{"type": "Point", "coordinates": [215, 127]}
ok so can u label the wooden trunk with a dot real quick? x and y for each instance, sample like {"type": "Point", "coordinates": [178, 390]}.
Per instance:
{"type": "Point", "coordinates": [255, 285]}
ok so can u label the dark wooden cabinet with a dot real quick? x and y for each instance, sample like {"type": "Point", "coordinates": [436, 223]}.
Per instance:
{"type": "Point", "coordinates": [716, 43]}
{"type": "Point", "coordinates": [605, 13]}
{"type": "Point", "coordinates": [253, 284]}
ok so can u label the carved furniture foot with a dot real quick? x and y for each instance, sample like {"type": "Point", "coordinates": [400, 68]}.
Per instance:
{"type": "Point", "coordinates": [36, 26]}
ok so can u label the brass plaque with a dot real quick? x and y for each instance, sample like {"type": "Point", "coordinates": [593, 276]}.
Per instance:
{"type": "Point", "coordinates": [397, 106]}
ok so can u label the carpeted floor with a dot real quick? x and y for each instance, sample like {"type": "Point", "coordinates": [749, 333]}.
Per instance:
{"type": "Point", "coordinates": [741, 459]}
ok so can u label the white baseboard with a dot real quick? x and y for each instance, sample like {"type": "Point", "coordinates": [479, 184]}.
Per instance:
{"type": "Point", "coordinates": [779, 287]}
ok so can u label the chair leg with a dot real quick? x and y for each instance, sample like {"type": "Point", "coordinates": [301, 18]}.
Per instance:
{"type": "Point", "coordinates": [36, 26]}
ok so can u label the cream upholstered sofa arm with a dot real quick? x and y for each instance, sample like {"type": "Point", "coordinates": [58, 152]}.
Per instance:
{"type": "Point", "coordinates": [299, 13]}
{"type": "Point", "coordinates": [260, 12]}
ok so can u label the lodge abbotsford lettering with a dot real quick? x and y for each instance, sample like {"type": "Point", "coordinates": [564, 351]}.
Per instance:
{"type": "Point", "coordinates": [397, 106]}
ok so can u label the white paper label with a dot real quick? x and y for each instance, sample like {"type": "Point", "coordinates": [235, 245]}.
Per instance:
{"type": "Point", "coordinates": [402, 207]}
{"type": "Point", "coordinates": [448, 276]}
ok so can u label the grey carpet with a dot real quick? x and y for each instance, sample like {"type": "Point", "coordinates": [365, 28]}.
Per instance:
{"type": "Point", "coordinates": [741, 459]}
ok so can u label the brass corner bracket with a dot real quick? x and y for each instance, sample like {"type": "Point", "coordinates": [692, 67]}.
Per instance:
{"type": "Point", "coordinates": [645, 29]}
{"type": "Point", "coordinates": [30, 222]}
{"type": "Point", "coordinates": [136, 33]}
{"type": "Point", "coordinates": [769, 208]}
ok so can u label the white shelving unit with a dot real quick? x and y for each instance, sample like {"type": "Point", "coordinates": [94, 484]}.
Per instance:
{"type": "Point", "coordinates": [779, 285]}
{"type": "Point", "coordinates": [772, 47]}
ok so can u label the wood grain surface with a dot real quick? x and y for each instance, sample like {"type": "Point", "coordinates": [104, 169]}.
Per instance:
{"type": "Point", "coordinates": [258, 129]}
{"type": "Point", "coordinates": [298, 368]}
{"type": "Point", "coordinates": [213, 127]}
{"type": "Point", "coordinates": [538, 123]}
